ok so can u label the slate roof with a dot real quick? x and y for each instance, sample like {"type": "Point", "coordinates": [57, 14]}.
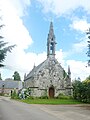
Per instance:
{"type": "Point", "coordinates": [34, 71]}
{"type": "Point", "coordinates": [10, 84]}
{"type": "Point", "coordinates": [38, 68]}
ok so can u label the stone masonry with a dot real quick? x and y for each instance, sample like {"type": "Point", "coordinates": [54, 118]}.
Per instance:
{"type": "Point", "coordinates": [49, 78]}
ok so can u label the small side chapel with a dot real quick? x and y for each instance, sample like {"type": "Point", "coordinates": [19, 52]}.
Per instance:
{"type": "Point", "coordinates": [49, 78]}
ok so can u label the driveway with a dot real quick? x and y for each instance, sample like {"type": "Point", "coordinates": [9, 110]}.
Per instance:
{"type": "Point", "coordinates": [14, 110]}
{"type": "Point", "coordinates": [68, 112]}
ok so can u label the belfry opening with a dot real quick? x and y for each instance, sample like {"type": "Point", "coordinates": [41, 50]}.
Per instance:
{"type": "Point", "coordinates": [49, 78]}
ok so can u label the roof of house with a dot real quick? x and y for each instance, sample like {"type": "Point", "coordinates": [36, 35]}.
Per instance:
{"type": "Point", "coordinates": [11, 84]}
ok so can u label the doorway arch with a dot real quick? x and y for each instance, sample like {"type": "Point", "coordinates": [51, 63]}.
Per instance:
{"type": "Point", "coordinates": [51, 92]}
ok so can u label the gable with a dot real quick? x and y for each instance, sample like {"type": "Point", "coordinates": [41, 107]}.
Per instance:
{"type": "Point", "coordinates": [48, 65]}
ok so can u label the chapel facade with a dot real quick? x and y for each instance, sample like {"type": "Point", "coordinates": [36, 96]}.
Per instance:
{"type": "Point", "coordinates": [49, 78]}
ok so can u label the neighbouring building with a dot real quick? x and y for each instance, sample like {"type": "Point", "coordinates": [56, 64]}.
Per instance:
{"type": "Point", "coordinates": [9, 85]}
{"type": "Point", "coordinates": [49, 78]}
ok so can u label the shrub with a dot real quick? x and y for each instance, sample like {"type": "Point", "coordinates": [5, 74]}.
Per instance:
{"type": "Point", "coordinates": [14, 95]}
{"type": "Point", "coordinates": [44, 97]}
{"type": "Point", "coordinates": [62, 96]}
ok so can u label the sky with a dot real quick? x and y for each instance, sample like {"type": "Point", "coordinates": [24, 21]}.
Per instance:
{"type": "Point", "coordinates": [26, 24]}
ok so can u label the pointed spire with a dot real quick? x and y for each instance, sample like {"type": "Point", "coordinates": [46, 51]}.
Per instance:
{"type": "Point", "coordinates": [34, 65]}
{"type": "Point", "coordinates": [51, 31]}
{"type": "Point", "coordinates": [69, 72]}
{"type": "Point", "coordinates": [51, 42]}
{"type": "Point", "coordinates": [25, 76]}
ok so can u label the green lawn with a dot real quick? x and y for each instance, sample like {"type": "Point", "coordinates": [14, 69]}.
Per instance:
{"type": "Point", "coordinates": [51, 101]}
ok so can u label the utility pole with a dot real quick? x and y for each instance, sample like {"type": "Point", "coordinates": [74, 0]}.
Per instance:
{"type": "Point", "coordinates": [88, 52]}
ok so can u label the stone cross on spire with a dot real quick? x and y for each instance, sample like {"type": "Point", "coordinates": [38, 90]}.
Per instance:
{"type": "Point", "coordinates": [51, 42]}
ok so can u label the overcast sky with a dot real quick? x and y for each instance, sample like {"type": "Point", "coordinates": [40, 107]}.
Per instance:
{"type": "Point", "coordinates": [27, 25]}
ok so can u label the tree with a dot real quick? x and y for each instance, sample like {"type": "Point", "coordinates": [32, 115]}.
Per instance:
{"type": "Point", "coordinates": [77, 89]}
{"type": "Point", "coordinates": [3, 49]}
{"type": "Point", "coordinates": [81, 90]}
{"type": "Point", "coordinates": [88, 52]}
{"type": "Point", "coordinates": [88, 78]}
{"type": "Point", "coordinates": [16, 76]}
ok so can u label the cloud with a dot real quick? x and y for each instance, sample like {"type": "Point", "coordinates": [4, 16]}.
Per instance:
{"type": "Point", "coordinates": [60, 56]}
{"type": "Point", "coordinates": [80, 46]}
{"type": "Point", "coordinates": [21, 62]}
{"type": "Point", "coordinates": [80, 25]}
{"type": "Point", "coordinates": [19, 6]}
{"type": "Point", "coordinates": [78, 69]}
{"type": "Point", "coordinates": [59, 7]}
{"type": "Point", "coordinates": [15, 32]}
{"type": "Point", "coordinates": [24, 62]}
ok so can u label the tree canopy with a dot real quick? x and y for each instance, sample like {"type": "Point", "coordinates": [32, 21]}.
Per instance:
{"type": "Point", "coordinates": [88, 78]}
{"type": "Point", "coordinates": [3, 49]}
{"type": "Point", "coordinates": [16, 76]}
{"type": "Point", "coordinates": [81, 90]}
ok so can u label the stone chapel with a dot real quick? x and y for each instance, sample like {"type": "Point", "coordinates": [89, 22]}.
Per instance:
{"type": "Point", "coordinates": [49, 78]}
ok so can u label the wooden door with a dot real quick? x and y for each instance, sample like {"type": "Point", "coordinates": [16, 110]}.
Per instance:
{"type": "Point", "coordinates": [51, 92]}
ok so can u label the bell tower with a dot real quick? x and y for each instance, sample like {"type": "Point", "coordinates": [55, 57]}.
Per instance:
{"type": "Point", "coordinates": [51, 42]}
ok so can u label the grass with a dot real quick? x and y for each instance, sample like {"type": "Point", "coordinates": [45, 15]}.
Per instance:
{"type": "Point", "coordinates": [51, 101]}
